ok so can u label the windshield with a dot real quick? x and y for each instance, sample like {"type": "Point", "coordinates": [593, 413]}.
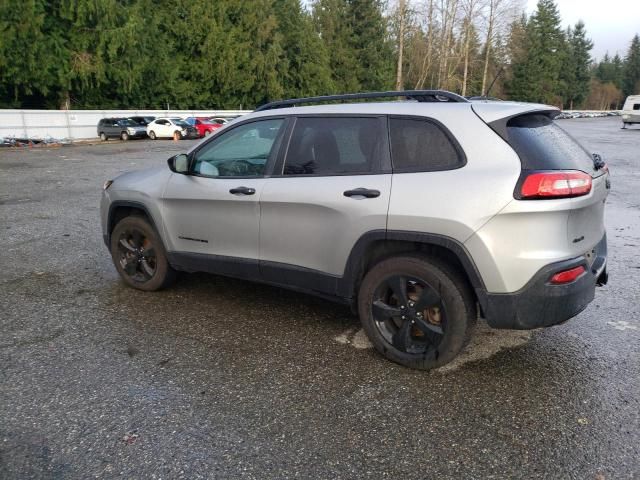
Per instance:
{"type": "Point", "coordinates": [180, 122]}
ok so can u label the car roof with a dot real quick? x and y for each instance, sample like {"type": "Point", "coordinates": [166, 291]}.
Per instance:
{"type": "Point", "coordinates": [488, 110]}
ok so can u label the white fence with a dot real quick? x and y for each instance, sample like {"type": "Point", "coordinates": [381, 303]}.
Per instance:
{"type": "Point", "coordinates": [81, 124]}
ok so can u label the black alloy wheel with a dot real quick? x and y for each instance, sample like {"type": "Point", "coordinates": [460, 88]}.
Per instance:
{"type": "Point", "coordinates": [409, 314]}
{"type": "Point", "coordinates": [417, 310]}
{"type": "Point", "coordinates": [137, 256]}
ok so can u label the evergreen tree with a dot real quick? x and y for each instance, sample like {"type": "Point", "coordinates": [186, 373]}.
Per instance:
{"type": "Point", "coordinates": [518, 76]}
{"type": "Point", "coordinates": [306, 69]}
{"type": "Point", "coordinates": [371, 45]}
{"type": "Point", "coordinates": [576, 73]}
{"type": "Point", "coordinates": [544, 55]}
{"type": "Point", "coordinates": [32, 54]}
{"type": "Point", "coordinates": [631, 83]}
{"type": "Point", "coordinates": [331, 19]}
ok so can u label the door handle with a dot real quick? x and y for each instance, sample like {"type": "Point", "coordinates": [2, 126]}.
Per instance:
{"type": "Point", "coordinates": [242, 191]}
{"type": "Point", "coordinates": [362, 192]}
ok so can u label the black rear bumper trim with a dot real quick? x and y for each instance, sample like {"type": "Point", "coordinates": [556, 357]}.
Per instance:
{"type": "Point", "coordinates": [541, 304]}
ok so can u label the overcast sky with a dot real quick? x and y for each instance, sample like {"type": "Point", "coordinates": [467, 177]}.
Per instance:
{"type": "Point", "coordinates": [611, 24]}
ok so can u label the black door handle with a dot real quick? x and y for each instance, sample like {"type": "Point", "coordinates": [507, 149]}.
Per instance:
{"type": "Point", "coordinates": [362, 192]}
{"type": "Point", "coordinates": [242, 191]}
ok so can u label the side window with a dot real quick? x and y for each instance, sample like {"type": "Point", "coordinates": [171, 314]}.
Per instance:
{"type": "Point", "coordinates": [421, 145]}
{"type": "Point", "coordinates": [636, 106]}
{"type": "Point", "coordinates": [241, 152]}
{"type": "Point", "coordinates": [334, 146]}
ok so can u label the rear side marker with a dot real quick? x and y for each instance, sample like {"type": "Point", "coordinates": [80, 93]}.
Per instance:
{"type": "Point", "coordinates": [567, 276]}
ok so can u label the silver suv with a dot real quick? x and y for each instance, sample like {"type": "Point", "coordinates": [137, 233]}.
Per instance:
{"type": "Point", "coordinates": [420, 214]}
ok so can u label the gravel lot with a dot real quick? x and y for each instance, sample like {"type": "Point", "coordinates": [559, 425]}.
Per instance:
{"type": "Point", "coordinates": [218, 378]}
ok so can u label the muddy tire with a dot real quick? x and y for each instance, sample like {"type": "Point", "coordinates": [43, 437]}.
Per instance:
{"type": "Point", "coordinates": [416, 311]}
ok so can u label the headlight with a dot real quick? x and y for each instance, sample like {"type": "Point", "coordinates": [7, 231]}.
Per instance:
{"type": "Point", "coordinates": [107, 184]}
{"type": "Point", "coordinates": [132, 131]}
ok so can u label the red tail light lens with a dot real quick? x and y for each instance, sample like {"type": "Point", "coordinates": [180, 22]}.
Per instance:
{"type": "Point", "coordinates": [555, 184]}
{"type": "Point", "coordinates": [567, 276]}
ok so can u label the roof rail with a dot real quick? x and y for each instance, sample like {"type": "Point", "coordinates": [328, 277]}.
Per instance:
{"type": "Point", "coordinates": [418, 95]}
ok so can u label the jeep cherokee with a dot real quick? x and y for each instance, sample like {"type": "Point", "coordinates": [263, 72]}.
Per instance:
{"type": "Point", "coordinates": [421, 214]}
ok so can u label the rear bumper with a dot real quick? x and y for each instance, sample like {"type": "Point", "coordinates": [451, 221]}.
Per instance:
{"type": "Point", "coordinates": [541, 304]}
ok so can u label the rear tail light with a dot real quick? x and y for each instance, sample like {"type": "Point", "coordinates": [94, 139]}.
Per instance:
{"type": "Point", "coordinates": [553, 184]}
{"type": "Point", "coordinates": [567, 276]}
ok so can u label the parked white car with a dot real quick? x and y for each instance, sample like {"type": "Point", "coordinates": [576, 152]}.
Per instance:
{"type": "Point", "coordinates": [168, 127]}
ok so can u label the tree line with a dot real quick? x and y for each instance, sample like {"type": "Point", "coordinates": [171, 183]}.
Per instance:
{"type": "Point", "coordinates": [239, 54]}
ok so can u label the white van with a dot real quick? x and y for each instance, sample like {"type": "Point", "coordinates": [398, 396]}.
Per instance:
{"type": "Point", "coordinates": [631, 110]}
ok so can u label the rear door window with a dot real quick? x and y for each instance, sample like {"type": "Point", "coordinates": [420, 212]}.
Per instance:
{"type": "Point", "coordinates": [335, 146]}
{"type": "Point", "coordinates": [419, 145]}
{"type": "Point", "coordinates": [542, 145]}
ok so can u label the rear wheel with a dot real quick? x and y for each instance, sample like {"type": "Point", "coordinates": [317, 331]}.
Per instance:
{"type": "Point", "coordinates": [417, 312]}
{"type": "Point", "coordinates": [152, 135]}
{"type": "Point", "coordinates": [207, 133]}
{"type": "Point", "coordinates": [139, 256]}
{"type": "Point", "coordinates": [103, 137]}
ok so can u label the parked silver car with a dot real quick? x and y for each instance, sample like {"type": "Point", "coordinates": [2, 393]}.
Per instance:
{"type": "Point", "coordinates": [420, 214]}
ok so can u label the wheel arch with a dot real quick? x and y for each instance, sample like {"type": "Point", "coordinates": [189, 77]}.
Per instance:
{"type": "Point", "coordinates": [378, 245]}
{"type": "Point", "coordinates": [123, 208]}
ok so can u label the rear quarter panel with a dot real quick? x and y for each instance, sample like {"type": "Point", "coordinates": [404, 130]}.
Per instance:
{"type": "Point", "coordinates": [456, 203]}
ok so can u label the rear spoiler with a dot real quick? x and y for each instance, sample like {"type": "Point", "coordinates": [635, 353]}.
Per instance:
{"type": "Point", "coordinates": [498, 114]}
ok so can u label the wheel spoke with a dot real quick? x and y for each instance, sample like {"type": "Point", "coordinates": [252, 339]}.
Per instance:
{"type": "Point", "coordinates": [428, 298]}
{"type": "Point", "coordinates": [130, 266]}
{"type": "Point", "coordinates": [127, 245]}
{"type": "Point", "coordinates": [398, 285]}
{"type": "Point", "coordinates": [427, 327]}
{"type": "Point", "coordinates": [146, 268]}
{"type": "Point", "coordinates": [402, 338]}
{"type": "Point", "coordinates": [383, 311]}
{"type": "Point", "coordinates": [149, 251]}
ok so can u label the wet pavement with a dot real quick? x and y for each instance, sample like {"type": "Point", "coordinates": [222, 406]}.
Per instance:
{"type": "Point", "coordinates": [218, 378]}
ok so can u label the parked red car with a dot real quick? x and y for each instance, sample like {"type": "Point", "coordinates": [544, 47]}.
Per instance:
{"type": "Point", "coordinates": [204, 125]}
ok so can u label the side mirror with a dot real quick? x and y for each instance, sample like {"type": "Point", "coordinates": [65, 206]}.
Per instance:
{"type": "Point", "coordinates": [179, 163]}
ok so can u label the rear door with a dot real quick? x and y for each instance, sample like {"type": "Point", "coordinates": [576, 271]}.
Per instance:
{"type": "Point", "coordinates": [330, 188]}
{"type": "Point", "coordinates": [212, 215]}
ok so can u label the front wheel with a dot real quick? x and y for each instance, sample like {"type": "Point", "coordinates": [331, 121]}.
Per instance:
{"type": "Point", "coordinates": [139, 256]}
{"type": "Point", "coordinates": [124, 136]}
{"type": "Point", "coordinates": [417, 312]}
{"type": "Point", "coordinates": [152, 135]}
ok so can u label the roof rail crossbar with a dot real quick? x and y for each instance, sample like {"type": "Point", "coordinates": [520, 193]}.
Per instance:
{"type": "Point", "coordinates": [418, 95]}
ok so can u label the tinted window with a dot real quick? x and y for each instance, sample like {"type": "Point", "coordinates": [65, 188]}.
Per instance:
{"type": "Point", "coordinates": [543, 145]}
{"type": "Point", "coordinates": [241, 152]}
{"type": "Point", "coordinates": [420, 145]}
{"type": "Point", "coordinates": [334, 145]}
{"type": "Point", "coordinates": [636, 106]}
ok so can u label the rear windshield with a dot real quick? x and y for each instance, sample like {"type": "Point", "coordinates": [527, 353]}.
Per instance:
{"type": "Point", "coordinates": [543, 145]}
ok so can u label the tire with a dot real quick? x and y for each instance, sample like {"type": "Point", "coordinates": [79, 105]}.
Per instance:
{"type": "Point", "coordinates": [139, 256]}
{"type": "Point", "coordinates": [176, 136]}
{"type": "Point", "coordinates": [124, 136]}
{"type": "Point", "coordinates": [152, 135]}
{"type": "Point", "coordinates": [207, 133]}
{"type": "Point", "coordinates": [431, 325]}
{"type": "Point", "coordinates": [103, 137]}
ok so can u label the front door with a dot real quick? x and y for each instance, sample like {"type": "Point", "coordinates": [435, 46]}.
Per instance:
{"type": "Point", "coordinates": [212, 215]}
